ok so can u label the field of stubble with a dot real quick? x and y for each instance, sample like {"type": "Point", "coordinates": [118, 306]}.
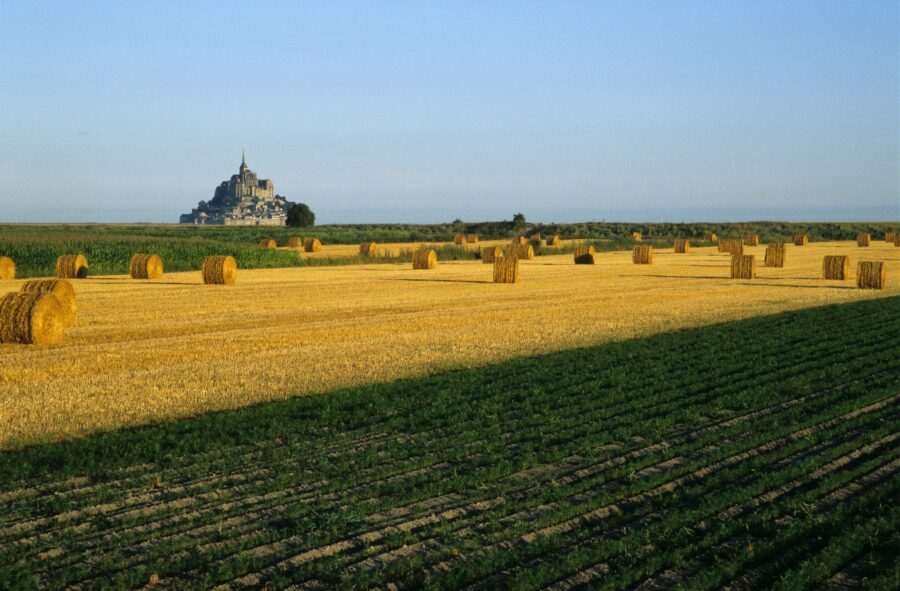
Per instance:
{"type": "Point", "coordinates": [144, 352]}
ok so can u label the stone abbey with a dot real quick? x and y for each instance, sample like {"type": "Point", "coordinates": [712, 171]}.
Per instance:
{"type": "Point", "coordinates": [243, 200]}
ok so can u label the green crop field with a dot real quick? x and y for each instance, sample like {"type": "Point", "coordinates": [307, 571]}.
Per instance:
{"type": "Point", "coordinates": [762, 453]}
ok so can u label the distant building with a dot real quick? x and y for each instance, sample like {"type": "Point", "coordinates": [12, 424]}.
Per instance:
{"type": "Point", "coordinates": [243, 200]}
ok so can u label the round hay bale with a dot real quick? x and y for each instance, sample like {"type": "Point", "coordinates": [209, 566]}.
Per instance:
{"type": "Point", "coordinates": [836, 267]}
{"type": "Point", "coordinates": [61, 289]}
{"type": "Point", "coordinates": [368, 249]}
{"type": "Point", "coordinates": [553, 240]}
{"type": "Point", "coordinates": [506, 270]}
{"type": "Point", "coordinates": [219, 270]}
{"type": "Point", "coordinates": [459, 239]}
{"type": "Point", "coordinates": [7, 268]}
{"type": "Point", "coordinates": [145, 266]}
{"type": "Point", "coordinates": [710, 237]}
{"type": "Point", "coordinates": [890, 237]}
{"type": "Point", "coordinates": [295, 242]}
{"type": "Point", "coordinates": [682, 246]}
{"type": "Point", "coordinates": [642, 255]}
{"type": "Point", "coordinates": [743, 266]}
{"type": "Point", "coordinates": [775, 255]}
{"type": "Point", "coordinates": [71, 266]}
{"type": "Point", "coordinates": [584, 255]}
{"type": "Point", "coordinates": [32, 318]}
{"type": "Point", "coordinates": [636, 236]}
{"type": "Point", "coordinates": [731, 246]}
{"type": "Point", "coordinates": [521, 251]}
{"type": "Point", "coordinates": [490, 253]}
{"type": "Point", "coordinates": [801, 239]}
{"type": "Point", "coordinates": [267, 243]}
{"type": "Point", "coordinates": [472, 238]}
{"type": "Point", "coordinates": [863, 239]}
{"type": "Point", "coordinates": [871, 274]}
{"type": "Point", "coordinates": [424, 258]}
{"type": "Point", "coordinates": [312, 245]}
{"type": "Point", "coordinates": [521, 240]}
{"type": "Point", "coordinates": [751, 240]}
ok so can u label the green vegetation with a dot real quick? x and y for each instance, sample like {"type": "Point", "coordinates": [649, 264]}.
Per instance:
{"type": "Point", "coordinates": [755, 454]}
{"type": "Point", "coordinates": [109, 247]}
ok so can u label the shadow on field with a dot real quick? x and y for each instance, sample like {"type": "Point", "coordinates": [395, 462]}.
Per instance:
{"type": "Point", "coordinates": [437, 280]}
{"type": "Point", "coordinates": [752, 283]}
{"type": "Point", "coordinates": [678, 276]}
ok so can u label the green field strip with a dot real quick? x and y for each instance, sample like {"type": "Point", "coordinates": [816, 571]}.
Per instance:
{"type": "Point", "coordinates": [646, 516]}
{"type": "Point", "coordinates": [638, 537]}
{"type": "Point", "coordinates": [611, 518]}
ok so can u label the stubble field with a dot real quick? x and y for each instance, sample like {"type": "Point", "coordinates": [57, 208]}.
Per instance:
{"type": "Point", "coordinates": [143, 352]}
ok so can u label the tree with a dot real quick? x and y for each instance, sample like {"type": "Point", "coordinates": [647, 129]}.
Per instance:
{"type": "Point", "coordinates": [519, 220]}
{"type": "Point", "coordinates": [300, 216]}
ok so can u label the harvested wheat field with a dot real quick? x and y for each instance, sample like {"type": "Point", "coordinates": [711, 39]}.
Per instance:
{"type": "Point", "coordinates": [143, 352]}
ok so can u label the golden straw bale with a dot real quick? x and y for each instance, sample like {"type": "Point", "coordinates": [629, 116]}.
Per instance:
{"type": "Point", "coordinates": [145, 266]}
{"type": "Point", "coordinates": [312, 245]}
{"type": "Point", "coordinates": [743, 266]}
{"type": "Point", "coordinates": [890, 237]}
{"type": "Point", "coordinates": [472, 238]}
{"type": "Point", "coordinates": [7, 268]}
{"type": "Point", "coordinates": [506, 270]}
{"type": "Point", "coordinates": [751, 240]}
{"type": "Point", "coordinates": [731, 246]}
{"type": "Point", "coordinates": [863, 239]}
{"type": "Point", "coordinates": [710, 237]}
{"type": "Point", "coordinates": [63, 291]}
{"type": "Point", "coordinates": [642, 255]}
{"type": "Point", "coordinates": [871, 274]}
{"type": "Point", "coordinates": [71, 266]}
{"type": "Point", "coordinates": [368, 249]}
{"type": "Point", "coordinates": [267, 243]}
{"type": "Point", "coordinates": [897, 240]}
{"type": "Point", "coordinates": [424, 258]}
{"type": "Point", "coordinates": [553, 240]}
{"type": "Point", "coordinates": [522, 251]}
{"type": "Point", "coordinates": [32, 318]}
{"type": "Point", "coordinates": [682, 246]}
{"type": "Point", "coordinates": [836, 267]}
{"type": "Point", "coordinates": [636, 236]}
{"type": "Point", "coordinates": [584, 255]}
{"type": "Point", "coordinates": [775, 255]}
{"type": "Point", "coordinates": [490, 253]}
{"type": "Point", "coordinates": [801, 239]}
{"type": "Point", "coordinates": [520, 240]}
{"type": "Point", "coordinates": [219, 270]}
{"type": "Point", "coordinates": [459, 239]}
{"type": "Point", "coordinates": [296, 242]}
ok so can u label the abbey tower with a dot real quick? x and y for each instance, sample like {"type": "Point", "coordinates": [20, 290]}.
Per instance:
{"type": "Point", "coordinates": [243, 200]}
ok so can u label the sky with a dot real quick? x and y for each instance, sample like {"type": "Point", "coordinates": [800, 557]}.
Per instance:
{"type": "Point", "coordinates": [392, 111]}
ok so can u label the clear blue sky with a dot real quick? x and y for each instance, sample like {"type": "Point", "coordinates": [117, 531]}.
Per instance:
{"type": "Point", "coordinates": [427, 111]}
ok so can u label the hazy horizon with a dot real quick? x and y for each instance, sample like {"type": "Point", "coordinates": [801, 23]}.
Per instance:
{"type": "Point", "coordinates": [424, 112]}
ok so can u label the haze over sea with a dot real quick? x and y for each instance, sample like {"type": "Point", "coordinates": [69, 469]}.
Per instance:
{"type": "Point", "coordinates": [418, 112]}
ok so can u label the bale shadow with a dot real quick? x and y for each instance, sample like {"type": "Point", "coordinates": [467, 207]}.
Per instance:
{"type": "Point", "coordinates": [438, 280]}
{"type": "Point", "coordinates": [754, 283]}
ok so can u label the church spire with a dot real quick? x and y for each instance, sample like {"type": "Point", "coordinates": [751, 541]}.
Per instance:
{"type": "Point", "coordinates": [243, 160]}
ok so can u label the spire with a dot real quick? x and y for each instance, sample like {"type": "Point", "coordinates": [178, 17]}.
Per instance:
{"type": "Point", "coordinates": [243, 160]}
{"type": "Point", "coordinates": [243, 163]}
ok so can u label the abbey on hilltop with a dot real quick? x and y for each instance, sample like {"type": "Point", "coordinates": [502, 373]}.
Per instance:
{"type": "Point", "coordinates": [244, 200]}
